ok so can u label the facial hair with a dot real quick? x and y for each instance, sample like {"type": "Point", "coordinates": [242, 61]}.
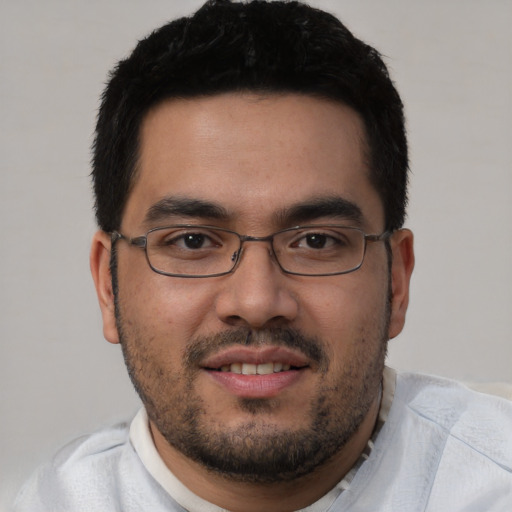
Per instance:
{"type": "Point", "coordinates": [258, 450]}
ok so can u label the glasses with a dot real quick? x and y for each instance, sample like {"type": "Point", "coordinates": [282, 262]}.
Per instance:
{"type": "Point", "coordinates": [204, 251]}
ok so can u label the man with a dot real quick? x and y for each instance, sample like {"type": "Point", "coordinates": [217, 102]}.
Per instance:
{"type": "Point", "coordinates": [250, 170]}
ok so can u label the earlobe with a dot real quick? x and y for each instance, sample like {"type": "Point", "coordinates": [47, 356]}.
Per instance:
{"type": "Point", "coordinates": [100, 269]}
{"type": "Point", "coordinates": [401, 270]}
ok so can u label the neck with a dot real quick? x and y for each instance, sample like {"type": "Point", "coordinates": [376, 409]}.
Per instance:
{"type": "Point", "coordinates": [250, 497]}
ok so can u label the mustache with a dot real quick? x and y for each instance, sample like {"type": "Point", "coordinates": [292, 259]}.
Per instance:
{"type": "Point", "coordinates": [203, 347]}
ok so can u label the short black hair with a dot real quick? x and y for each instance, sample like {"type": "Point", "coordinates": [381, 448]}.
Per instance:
{"type": "Point", "coordinates": [257, 46]}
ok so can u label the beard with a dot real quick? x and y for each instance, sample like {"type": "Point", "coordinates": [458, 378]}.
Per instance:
{"type": "Point", "coordinates": [256, 450]}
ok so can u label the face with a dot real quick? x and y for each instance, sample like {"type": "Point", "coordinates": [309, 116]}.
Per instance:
{"type": "Point", "coordinates": [254, 165]}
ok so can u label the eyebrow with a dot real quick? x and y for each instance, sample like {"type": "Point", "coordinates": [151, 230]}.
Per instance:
{"type": "Point", "coordinates": [169, 207]}
{"type": "Point", "coordinates": [300, 213]}
{"type": "Point", "coordinates": [333, 206]}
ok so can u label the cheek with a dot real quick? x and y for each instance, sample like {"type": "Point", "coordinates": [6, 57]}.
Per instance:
{"type": "Point", "coordinates": [161, 305]}
{"type": "Point", "coordinates": [343, 307]}
{"type": "Point", "coordinates": [346, 313]}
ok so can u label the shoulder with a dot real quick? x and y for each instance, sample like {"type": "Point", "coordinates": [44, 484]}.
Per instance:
{"type": "Point", "coordinates": [77, 468]}
{"type": "Point", "coordinates": [481, 421]}
{"type": "Point", "coordinates": [466, 436]}
{"type": "Point", "coordinates": [97, 472]}
{"type": "Point", "coordinates": [90, 457]}
{"type": "Point", "coordinates": [105, 444]}
{"type": "Point", "coordinates": [455, 407]}
{"type": "Point", "coordinates": [443, 447]}
{"type": "Point", "coordinates": [472, 426]}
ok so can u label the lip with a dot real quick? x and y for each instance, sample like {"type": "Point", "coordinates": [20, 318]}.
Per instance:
{"type": "Point", "coordinates": [256, 386]}
{"type": "Point", "coordinates": [255, 355]}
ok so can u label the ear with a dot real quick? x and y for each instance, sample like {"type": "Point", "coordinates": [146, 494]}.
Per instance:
{"type": "Point", "coordinates": [401, 270]}
{"type": "Point", "coordinates": [100, 269]}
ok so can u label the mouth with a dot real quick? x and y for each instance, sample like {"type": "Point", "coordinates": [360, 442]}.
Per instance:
{"type": "Point", "coordinates": [256, 369]}
{"type": "Point", "coordinates": [252, 373]}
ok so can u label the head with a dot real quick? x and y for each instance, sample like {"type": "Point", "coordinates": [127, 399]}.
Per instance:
{"type": "Point", "coordinates": [263, 47]}
{"type": "Point", "coordinates": [253, 118]}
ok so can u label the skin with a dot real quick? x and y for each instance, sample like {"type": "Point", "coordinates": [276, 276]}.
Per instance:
{"type": "Point", "coordinates": [257, 158]}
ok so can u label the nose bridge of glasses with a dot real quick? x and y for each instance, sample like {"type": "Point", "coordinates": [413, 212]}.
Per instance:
{"type": "Point", "coordinates": [248, 238]}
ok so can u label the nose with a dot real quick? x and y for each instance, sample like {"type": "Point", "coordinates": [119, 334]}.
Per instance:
{"type": "Point", "coordinates": [257, 294]}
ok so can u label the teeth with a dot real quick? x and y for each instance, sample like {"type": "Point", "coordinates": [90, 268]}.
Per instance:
{"type": "Point", "coordinates": [236, 368]}
{"type": "Point", "coordinates": [265, 369]}
{"type": "Point", "coordinates": [249, 369]}
{"type": "Point", "coordinates": [255, 369]}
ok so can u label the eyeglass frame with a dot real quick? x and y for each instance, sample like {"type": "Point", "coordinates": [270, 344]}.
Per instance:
{"type": "Point", "coordinates": [141, 243]}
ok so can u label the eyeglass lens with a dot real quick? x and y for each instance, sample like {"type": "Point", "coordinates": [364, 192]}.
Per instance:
{"type": "Point", "coordinates": [204, 251]}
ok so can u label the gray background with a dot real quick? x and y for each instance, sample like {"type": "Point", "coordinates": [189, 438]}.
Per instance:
{"type": "Point", "coordinates": [59, 378]}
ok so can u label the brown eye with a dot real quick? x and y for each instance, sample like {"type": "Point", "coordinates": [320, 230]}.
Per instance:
{"type": "Point", "coordinates": [316, 241]}
{"type": "Point", "coordinates": [189, 240]}
{"type": "Point", "coordinates": [194, 241]}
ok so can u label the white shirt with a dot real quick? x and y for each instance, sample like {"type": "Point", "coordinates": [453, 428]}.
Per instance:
{"type": "Point", "coordinates": [443, 448]}
{"type": "Point", "coordinates": [142, 440]}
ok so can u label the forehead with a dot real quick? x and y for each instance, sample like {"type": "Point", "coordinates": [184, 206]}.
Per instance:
{"type": "Point", "coordinates": [252, 155]}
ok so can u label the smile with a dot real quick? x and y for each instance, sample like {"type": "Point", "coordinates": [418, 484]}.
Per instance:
{"type": "Point", "coordinates": [255, 369]}
{"type": "Point", "coordinates": [249, 373]}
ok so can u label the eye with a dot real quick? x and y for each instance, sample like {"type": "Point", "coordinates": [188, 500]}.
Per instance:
{"type": "Point", "coordinates": [318, 241]}
{"type": "Point", "coordinates": [194, 241]}
{"type": "Point", "coordinates": [188, 240]}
